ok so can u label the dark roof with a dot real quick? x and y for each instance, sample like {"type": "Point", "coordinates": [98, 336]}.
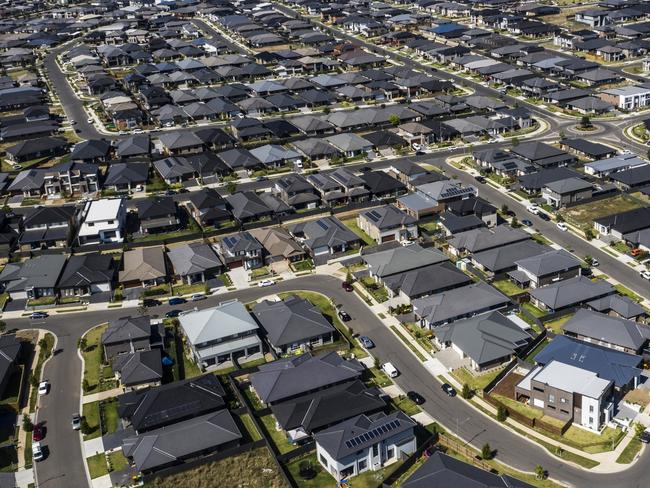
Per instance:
{"type": "Point", "coordinates": [87, 269]}
{"type": "Point", "coordinates": [379, 182]}
{"type": "Point", "coordinates": [126, 329]}
{"type": "Point", "coordinates": [536, 181]}
{"type": "Point", "coordinates": [171, 403]}
{"type": "Point", "coordinates": [634, 177]}
{"type": "Point", "coordinates": [427, 280]}
{"type": "Point", "coordinates": [592, 149]}
{"type": "Point", "coordinates": [139, 367]}
{"type": "Point", "coordinates": [607, 329]}
{"type": "Point", "coordinates": [625, 222]}
{"type": "Point", "coordinates": [49, 215]}
{"type": "Point", "coordinates": [91, 149]}
{"type": "Point", "coordinates": [127, 173]}
{"type": "Point", "coordinates": [154, 207]}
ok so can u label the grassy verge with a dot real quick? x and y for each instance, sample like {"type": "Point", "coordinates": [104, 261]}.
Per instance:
{"type": "Point", "coordinates": [406, 405]}
{"type": "Point", "coordinates": [97, 377]}
{"type": "Point", "coordinates": [408, 343]}
{"type": "Point", "coordinates": [97, 465]}
{"type": "Point", "coordinates": [47, 343]}
{"type": "Point", "coordinates": [475, 382]}
{"type": "Point", "coordinates": [631, 450]}
{"type": "Point", "coordinates": [91, 413]}
{"type": "Point", "coordinates": [377, 377]}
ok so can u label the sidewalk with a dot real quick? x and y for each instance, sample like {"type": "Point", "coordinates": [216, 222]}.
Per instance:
{"type": "Point", "coordinates": [22, 434]}
{"type": "Point", "coordinates": [102, 395]}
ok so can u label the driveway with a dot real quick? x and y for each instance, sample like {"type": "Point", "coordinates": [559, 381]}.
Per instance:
{"type": "Point", "coordinates": [450, 359]}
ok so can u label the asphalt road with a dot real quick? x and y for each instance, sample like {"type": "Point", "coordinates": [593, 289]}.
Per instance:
{"type": "Point", "coordinates": [63, 466]}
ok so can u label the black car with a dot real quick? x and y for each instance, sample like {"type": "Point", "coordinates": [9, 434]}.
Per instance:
{"type": "Point", "coordinates": [344, 316]}
{"type": "Point", "coordinates": [544, 216]}
{"type": "Point", "coordinates": [448, 389]}
{"type": "Point", "coordinates": [365, 169]}
{"type": "Point", "coordinates": [151, 302]}
{"type": "Point", "coordinates": [173, 314]}
{"type": "Point", "coordinates": [480, 179]}
{"type": "Point", "coordinates": [527, 223]}
{"type": "Point", "coordinates": [644, 437]}
{"type": "Point", "coordinates": [415, 397]}
{"type": "Point", "coordinates": [420, 153]}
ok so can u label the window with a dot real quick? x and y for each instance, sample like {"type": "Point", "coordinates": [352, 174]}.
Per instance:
{"type": "Point", "coordinates": [362, 465]}
{"type": "Point", "coordinates": [538, 389]}
{"type": "Point", "coordinates": [591, 420]}
{"type": "Point", "coordinates": [562, 400]}
{"type": "Point", "coordinates": [323, 460]}
{"type": "Point", "coordinates": [390, 453]}
{"type": "Point", "coordinates": [375, 450]}
{"type": "Point", "coordinates": [591, 409]}
{"type": "Point", "coordinates": [551, 398]}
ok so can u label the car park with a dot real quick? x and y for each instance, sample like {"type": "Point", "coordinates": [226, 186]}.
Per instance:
{"type": "Point", "coordinates": [176, 301]}
{"type": "Point", "coordinates": [390, 370]}
{"type": "Point", "coordinates": [344, 316]}
{"type": "Point", "coordinates": [43, 387]}
{"type": "Point", "coordinates": [448, 389]}
{"type": "Point", "coordinates": [415, 397]}
{"type": "Point", "coordinates": [366, 342]}
{"type": "Point", "coordinates": [76, 421]}
{"type": "Point", "coordinates": [265, 283]}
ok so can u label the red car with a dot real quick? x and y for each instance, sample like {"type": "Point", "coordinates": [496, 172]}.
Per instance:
{"type": "Point", "coordinates": [39, 432]}
{"type": "Point", "coordinates": [347, 286]}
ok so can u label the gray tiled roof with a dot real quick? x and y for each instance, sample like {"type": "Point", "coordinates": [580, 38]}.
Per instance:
{"type": "Point", "coordinates": [614, 330]}
{"type": "Point", "coordinates": [401, 259]}
{"type": "Point", "coordinates": [571, 292]}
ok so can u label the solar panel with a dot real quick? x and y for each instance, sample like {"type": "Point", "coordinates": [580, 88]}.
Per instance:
{"type": "Point", "coordinates": [322, 224]}
{"type": "Point", "coordinates": [348, 444]}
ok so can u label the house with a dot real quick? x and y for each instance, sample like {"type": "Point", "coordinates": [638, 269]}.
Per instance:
{"type": "Point", "coordinates": [10, 349]}
{"type": "Point", "coordinates": [532, 183]}
{"type": "Point", "coordinates": [365, 443]}
{"type": "Point", "coordinates": [459, 303]}
{"type": "Point", "coordinates": [221, 334]}
{"type": "Point", "coordinates": [619, 224]}
{"type": "Point", "coordinates": [609, 166]}
{"type": "Point", "coordinates": [382, 185]}
{"type": "Point", "coordinates": [88, 274]}
{"type": "Point", "coordinates": [569, 293]}
{"type": "Point", "coordinates": [561, 193]}
{"type": "Point", "coordinates": [35, 278]}
{"type": "Point", "coordinates": [431, 198]}
{"type": "Point", "coordinates": [43, 147]}
{"type": "Point", "coordinates": [296, 191]}
{"type": "Point", "coordinates": [131, 334]}
{"type": "Point", "coordinates": [350, 144]}
{"type": "Point", "coordinates": [401, 259]}
{"type": "Point", "coordinates": [293, 324]}
{"type": "Point", "coordinates": [48, 227]}
{"type": "Point", "coordinates": [208, 208]}
{"type": "Point", "coordinates": [618, 306]}
{"type": "Point", "coordinates": [613, 332]}
{"type": "Point", "coordinates": [325, 236]}
{"type": "Point", "coordinates": [28, 182]}
{"type": "Point", "coordinates": [543, 155]}
{"type": "Point", "coordinates": [241, 249]}
{"type": "Point", "coordinates": [428, 280]}
{"type": "Point", "coordinates": [353, 187]}
{"type": "Point", "coordinates": [278, 245]}
{"type": "Point", "coordinates": [71, 178]}
{"type": "Point", "coordinates": [440, 469]}
{"type": "Point", "coordinates": [482, 239]}
{"type": "Point", "coordinates": [140, 369]}
{"type": "Point", "coordinates": [568, 393]}
{"type": "Point", "coordinates": [143, 266]}
{"type": "Point", "coordinates": [302, 416]}
{"type": "Point", "coordinates": [183, 441]}
{"type": "Point", "coordinates": [488, 340]}
{"type": "Point", "coordinates": [153, 408]}
{"type": "Point", "coordinates": [136, 146]}
{"type": "Point", "coordinates": [175, 169]}
{"type": "Point", "coordinates": [178, 143]}
{"type": "Point", "coordinates": [545, 268]}
{"type": "Point", "coordinates": [388, 223]}
{"type": "Point", "coordinates": [588, 149]}
{"type": "Point", "coordinates": [627, 97]}
{"type": "Point", "coordinates": [126, 176]}
{"type": "Point", "coordinates": [157, 214]}
{"type": "Point", "coordinates": [293, 377]}
{"type": "Point", "coordinates": [91, 151]}
{"type": "Point", "coordinates": [195, 262]}
{"type": "Point", "coordinates": [632, 179]}
{"type": "Point", "coordinates": [247, 206]}
{"type": "Point", "coordinates": [102, 222]}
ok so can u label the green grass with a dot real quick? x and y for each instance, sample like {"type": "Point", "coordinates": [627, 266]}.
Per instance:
{"type": "Point", "coordinates": [184, 289]}
{"type": "Point", "coordinates": [406, 405]}
{"type": "Point", "coordinates": [3, 300]}
{"type": "Point", "coordinates": [90, 412]}
{"type": "Point", "coordinates": [34, 302]}
{"type": "Point", "coordinates": [259, 273]}
{"type": "Point", "coordinates": [377, 377]}
{"type": "Point", "coordinates": [624, 290]}
{"type": "Point", "coordinates": [225, 279]}
{"type": "Point", "coordinates": [329, 311]}
{"type": "Point", "coordinates": [352, 225]}
{"type": "Point", "coordinates": [475, 382]}
{"type": "Point", "coordinates": [97, 465]}
{"type": "Point", "coordinates": [533, 310]}
{"type": "Point", "coordinates": [532, 354]}
{"type": "Point", "coordinates": [253, 399]}
{"type": "Point", "coordinates": [519, 407]}
{"type": "Point", "coordinates": [111, 417]}
{"type": "Point", "coordinates": [428, 227]}
{"type": "Point", "coordinates": [95, 380]}
{"type": "Point", "coordinates": [117, 461]}
{"type": "Point", "coordinates": [304, 265]}
{"type": "Point", "coordinates": [555, 325]}
{"type": "Point", "coordinates": [376, 290]}
{"type": "Point", "coordinates": [588, 212]}
{"type": "Point", "coordinates": [27, 452]}
{"type": "Point", "coordinates": [250, 427]}
{"type": "Point", "coordinates": [165, 235]}
{"type": "Point", "coordinates": [44, 353]}
{"type": "Point", "coordinates": [277, 436]}
{"type": "Point", "coordinates": [508, 287]}
{"type": "Point", "coordinates": [408, 343]}
{"type": "Point", "coordinates": [631, 450]}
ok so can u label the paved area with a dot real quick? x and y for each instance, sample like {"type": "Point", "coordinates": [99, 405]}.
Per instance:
{"type": "Point", "coordinates": [93, 446]}
{"type": "Point", "coordinates": [102, 482]}
{"type": "Point", "coordinates": [24, 477]}
{"type": "Point", "coordinates": [450, 359]}
{"type": "Point", "coordinates": [102, 395]}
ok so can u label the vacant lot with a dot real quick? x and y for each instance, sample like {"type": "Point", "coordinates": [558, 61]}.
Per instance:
{"type": "Point", "coordinates": [254, 469]}
{"type": "Point", "coordinates": [585, 214]}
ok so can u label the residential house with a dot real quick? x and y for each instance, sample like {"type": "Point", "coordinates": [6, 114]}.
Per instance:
{"type": "Point", "coordinates": [365, 443]}
{"type": "Point", "coordinates": [48, 227]}
{"type": "Point", "coordinates": [609, 166]}
{"type": "Point", "coordinates": [476, 206]}
{"type": "Point", "coordinates": [126, 176]}
{"type": "Point", "coordinates": [71, 178]}
{"type": "Point", "coordinates": [546, 268]}
{"type": "Point", "coordinates": [278, 245]}
{"type": "Point", "coordinates": [221, 334]}
{"type": "Point", "coordinates": [195, 262]}
{"type": "Point", "coordinates": [432, 198]}
{"type": "Point", "coordinates": [618, 306]}
{"type": "Point", "coordinates": [325, 236]}
{"type": "Point", "coordinates": [208, 208]}
{"type": "Point", "coordinates": [143, 266]}
{"type": "Point", "coordinates": [488, 340]}
{"type": "Point", "coordinates": [569, 293]}
{"type": "Point", "coordinates": [88, 274]}
{"type": "Point", "coordinates": [568, 191]}
{"type": "Point", "coordinates": [478, 240]}
{"type": "Point", "coordinates": [388, 223]}
{"type": "Point", "coordinates": [140, 369]}
{"type": "Point", "coordinates": [127, 335]}
{"type": "Point", "coordinates": [503, 259]}
{"type": "Point", "coordinates": [293, 324]}
{"type": "Point", "coordinates": [157, 214]}
{"type": "Point", "coordinates": [296, 191]}
{"type": "Point", "coordinates": [353, 186]}
{"type": "Point", "coordinates": [425, 281]}
{"type": "Point", "coordinates": [102, 222]}
{"type": "Point", "coordinates": [382, 185]}
{"type": "Point", "coordinates": [543, 155]}
{"type": "Point", "coordinates": [627, 97]}
{"type": "Point", "coordinates": [32, 279]}
{"type": "Point", "coordinates": [401, 259]}
{"type": "Point", "coordinates": [247, 206]}
{"type": "Point", "coordinates": [10, 349]}
{"type": "Point", "coordinates": [241, 249]}
{"type": "Point", "coordinates": [619, 224]}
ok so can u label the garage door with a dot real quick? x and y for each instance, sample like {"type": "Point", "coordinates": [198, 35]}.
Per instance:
{"type": "Point", "coordinates": [388, 238]}
{"type": "Point", "coordinates": [236, 264]}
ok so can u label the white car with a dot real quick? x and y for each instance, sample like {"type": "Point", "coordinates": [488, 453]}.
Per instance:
{"type": "Point", "coordinates": [645, 274]}
{"type": "Point", "coordinates": [417, 146]}
{"type": "Point", "coordinates": [595, 263]}
{"type": "Point", "coordinates": [533, 209]}
{"type": "Point", "coordinates": [90, 120]}
{"type": "Point", "coordinates": [264, 283]}
{"type": "Point", "coordinates": [562, 226]}
{"type": "Point", "coordinates": [37, 451]}
{"type": "Point", "coordinates": [43, 387]}
{"type": "Point", "coordinates": [139, 188]}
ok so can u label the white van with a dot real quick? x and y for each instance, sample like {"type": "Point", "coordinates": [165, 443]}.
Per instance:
{"type": "Point", "coordinates": [390, 370]}
{"type": "Point", "coordinates": [37, 451]}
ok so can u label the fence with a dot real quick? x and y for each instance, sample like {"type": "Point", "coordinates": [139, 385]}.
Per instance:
{"type": "Point", "coordinates": [528, 421]}
{"type": "Point", "coordinates": [395, 476]}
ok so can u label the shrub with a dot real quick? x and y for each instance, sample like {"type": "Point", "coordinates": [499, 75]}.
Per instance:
{"type": "Point", "coordinates": [486, 452]}
{"type": "Point", "coordinates": [502, 413]}
{"type": "Point", "coordinates": [467, 392]}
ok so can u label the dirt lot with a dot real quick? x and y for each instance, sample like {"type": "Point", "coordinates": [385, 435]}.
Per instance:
{"type": "Point", "coordinates": [585, 214]}
{"type": "Point", "coordinates": [507, 385]}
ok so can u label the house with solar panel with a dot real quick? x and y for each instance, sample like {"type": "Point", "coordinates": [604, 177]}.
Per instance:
{"type": "Point", "coordinates": [388, 223]}
{"type": "Point", "coordinates": [241, 249]}
{"type": "Point", "coordinates": [365, 443]}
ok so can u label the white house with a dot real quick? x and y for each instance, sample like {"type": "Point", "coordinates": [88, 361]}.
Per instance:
{"type": "Point", "coordinates": [103, 222]}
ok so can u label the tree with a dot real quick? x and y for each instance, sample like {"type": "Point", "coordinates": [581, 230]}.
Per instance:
{"type": "Point", "coordinates": [348, 276]}
{"type": "Point", "coordinates": [502, 413]}
{"type": "Point", "coordinates": [486, 452]}
{"type": "Point", "coordinates": [504, 208]}
{"type": "Point", "coordinates": [540, 473]}
{"type": "Point", "coordinates": [589, 260]}
{"type": "Point", "coordinates": [326, 110]}
{"type": "Point", "coordinates": [28, 426]}
{"type": "Point", "coordinates": [514, 222]}
{"type": "Point", "coordinates": [85, 428]}
{"type": "Point", "coordinates": [231, 187]}
{"type": "Point", "coordinates": [394, 120]}
{"type": "Point", "coordinates": [467, 392]}
{"type": "Point", "coordinates": [376, 362]}
{"type": "Point", "coordinates": [559, 218]}
{"type": "Point", "coordinates": [85, 385]}
{"type": "Point", "coordinates": [83, 344]}
{"type": "Point", "coordinates": [585, 121]}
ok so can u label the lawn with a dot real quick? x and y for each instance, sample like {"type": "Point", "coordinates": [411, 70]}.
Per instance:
{"type": "Point", "coordinates": [624, 290]}
{"type": "Point", "coordinates": [184, 289]}
{"type": "Point", "coordinates": [586, 213]}
{"type": "Point", "coordinates": [406, 405]}
{"type": "Point", "coordinates": [631, 450]}
{"type": "Point", "coordinates": [166, 235]}
{"type": "Point", "coordinates": [519, 407]}
{"type": "Point", "coordinates": [326, 307]}
{"type": "Point", "coordinates": [428, 227]}
{"type": "Point", "coordinates": [95, 379]}
{"type": "Point", "coordinates": [532, 309]}
{"type": "Point", "coordinates": [408, 343]}
{"type": "Point", "coordinates": [377, 377]}
{"type": "Point", "coordinates": [259, 273]}
{"type": "Point", "coordinates": [531, 355]}
{"type": "Point", "coordinates": [507, 287]}
{"type": "Point", "coordinates": [475, 382]}
{"type": "Point", "coordinates": [277, 436]}
{"type": "Point", "coordinates": [190, 369]}
{"type": "Point", "coordinates": [109, 413]}
{"type": "Point", "coordinates": [250, 469]}
{"type": "Point", "coordinates": [44, 353]}
{"type": "Point", "coordinates": [250, 427]}
{"type": "Point", "coordinates": [225, 279]}
{"type": "Point", "coordinates": [91, 413]}
{"type": "Point", "coordinates": [352, 225]}
{"type": "Point", "coordinates": [301, 266]}
{"type": "Point", "coordinates": [555, 325]}
{"type": "Point", "coordinates": [377, 290]}
{"type": "Point", "coordinates": [253, 399]}
{"type": "Point", "coordinates": [117, 461]}
{"type": "Point", "coordinates": [97, 465]}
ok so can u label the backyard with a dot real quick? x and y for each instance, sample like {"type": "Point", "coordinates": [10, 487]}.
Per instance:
{"type": "Point", "coordinates": [508, 287]}
{"type": "Point", "coordinates": [586, 213]}
{"type": "Point", "coordinates": [475, 381]}
{"type": "Point", "coordinates": [555, 325]}
{"type": "Point", "coordinates": [277, 436]}
{"type": "Point", "coordinates": [352, 225]}
{"type": "Point", "coordinates": [96, 376]}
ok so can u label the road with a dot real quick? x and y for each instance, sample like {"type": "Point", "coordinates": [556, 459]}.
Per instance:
{"type": "Point", "coordinates": [63, 467]}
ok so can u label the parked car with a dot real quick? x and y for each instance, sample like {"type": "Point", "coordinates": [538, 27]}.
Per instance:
{"type": "Point", "coordinates": [543, 216]}
{"type": "Point", "coordinates": [39, 315]}
{"type": "Point", "coordinates": [366, 342]}
{"type": "Point", "coordinates": [344, 316]}
{"type": "Point", "coordinates": [527, 223]}
{"type": "Point", "coordinates": [37, 452]}
{"type": "Point", "coordinates": [415, 397]}
{"type": "Point", "coordinates": [645, 274]}
{"type": "Point", "coordinates": [532, 208]}
{"type": "Point", "coordinates": [480, 179]}
{"type": "Point", "coordinates": [43, 387]}
{"type": "Point", "coordinates": [562, 226]}
{"type": "Point", "coordinates": [151, 302]}
{"type": "Point", "coordinates": [176, 301]}
{"type": "Point", "coordinates": [420, 153]}
{"type": "Point", "coordinates": [390, 370]}
{"type": "Point", "coordinates": [90, 120]}
{"type": "Point", "coordinates": [347, 286]}
{"type": "Point", "coordinates": [139, 188]}
{"type": "Point", "coordinates": [173, 314]}
{"type": "Point", "coordinates": [645, 436]}
{"type": "Point", "coordinates": [76, 421]}
{"type": "Point", "coordinates": [38, 434]}
{"type": "Point", "coordinates": [197, 297]}
{"type": "Point", "coordinates": [595, 263]}
{"type": "Point", "coordinates": [264, 283]}
{"type": "Point", "coordinates": [261, 178]}
{"type": "Point", "coordinates": [448, 389]}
